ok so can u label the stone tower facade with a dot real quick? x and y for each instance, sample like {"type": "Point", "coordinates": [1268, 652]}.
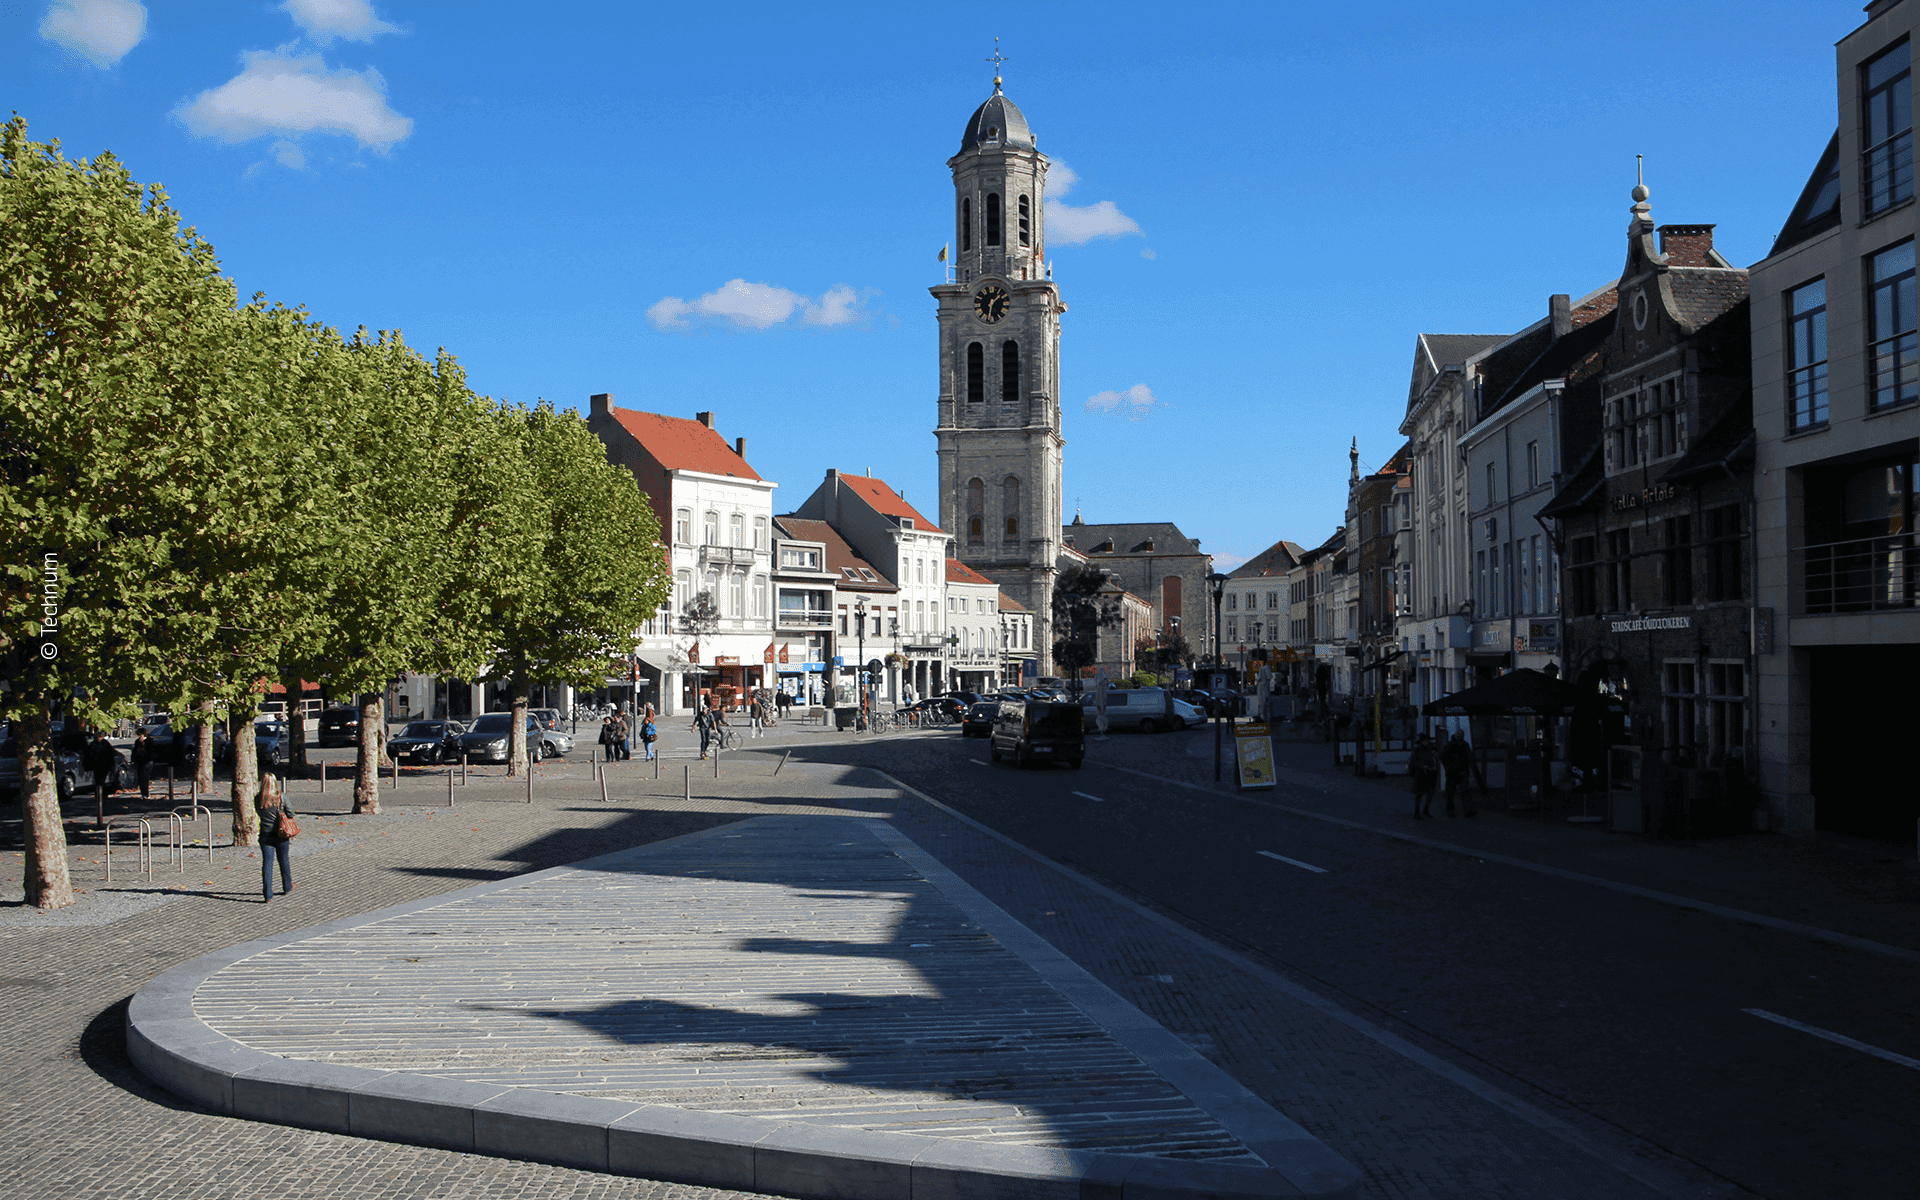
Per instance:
{"type": "Point", "coordinates": [999, 430]}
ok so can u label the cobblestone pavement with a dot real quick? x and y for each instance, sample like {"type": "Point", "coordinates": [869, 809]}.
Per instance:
{"type": "Point", "coordinates": [80, 1122]}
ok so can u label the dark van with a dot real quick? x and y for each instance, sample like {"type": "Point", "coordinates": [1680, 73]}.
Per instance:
{"type": "Point", "coordinates": [1038, 731]}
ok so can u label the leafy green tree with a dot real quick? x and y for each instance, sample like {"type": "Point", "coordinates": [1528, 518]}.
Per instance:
{"type": "Point", "coordinates": [1080, 612]}
{"type": "Point", "coordinates": [114, 327]}
{"type": "Point", "coordinates": [593, 567]}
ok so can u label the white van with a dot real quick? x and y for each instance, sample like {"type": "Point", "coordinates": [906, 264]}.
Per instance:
{"type": "Point", "coordinates": [1149, 710]}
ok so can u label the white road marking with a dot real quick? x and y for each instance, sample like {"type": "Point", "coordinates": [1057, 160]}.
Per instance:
{"type": "Point", "coordinates": [1084, 796]}
{"type": "Point", "coordinates": [1296, 862]}
{"type": "Point", "coordinates": [976, 762]}
{"type": "Point", "coordinates": [1839, 1038]}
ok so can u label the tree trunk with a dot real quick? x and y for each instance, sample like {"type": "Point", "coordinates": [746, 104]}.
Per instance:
{"type": "Point", "coordinates": [296, 727]}
{"type": "Point", "coordinates": [366, 777]}
{"type": "Point", "coordinates": [203, 763]}
{"type": "Point", "coordinates": [246, 760]}
{"type": "Point", "coordinates": [48, 885]}
{"type": "Point", "coordinates": [517, 757]}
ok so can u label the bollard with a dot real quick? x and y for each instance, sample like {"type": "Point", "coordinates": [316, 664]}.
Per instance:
{"type": "Point", "coordinates": [656, 760]}
{"type": "Point", "coordinates": [603, 789]}
{"type": "Point", "coordinates": [396, 772]}
{"type": "Point", "coordinates": [689, 771]}
{"type": "Point", "coordinates": [716, 760]}
{"type": "Point", "coordinates": [323, 777]}
{"type": "Point", "coordinates": [463, 766]}
{"type": "Point", "coordinates": [169, 787]}
{"type": "Point", "coordinates": [782, 762]}
{"type": "Point", "coordinates": [449, 787]}
{"type": "Point", "coordinates": [529, 779]}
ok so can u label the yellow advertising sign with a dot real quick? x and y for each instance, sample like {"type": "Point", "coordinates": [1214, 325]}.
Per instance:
{"type": "Point", "coordinates": [1253, 755]}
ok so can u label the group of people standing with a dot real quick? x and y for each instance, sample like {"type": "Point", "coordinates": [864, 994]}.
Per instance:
{"type": "Point", "coordinates": [1425, 765]}
{"type": "Point", "coordinates": [618, 731]}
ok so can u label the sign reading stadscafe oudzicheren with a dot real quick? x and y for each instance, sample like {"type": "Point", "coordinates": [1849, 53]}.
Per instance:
{"type": "Point", "coordinates": [1643, 624]}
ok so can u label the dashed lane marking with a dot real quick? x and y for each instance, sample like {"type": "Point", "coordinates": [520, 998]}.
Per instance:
{"type": "Point", "coordinates": [1837, 1038]}
{"type": "Point", "coordinates": [1296, 862]}
{"type": "Point", "coordinates": [1084, 796]}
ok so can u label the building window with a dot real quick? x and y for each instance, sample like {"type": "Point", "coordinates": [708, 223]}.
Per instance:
{"type": "Point", "coordinates": [682, 589]}
{"type": "Point", "coordinates": [1679, 707]}
{"type": "Point", "coordinates": [1533, 464]}
{"type": "Point", "coordinates": [966, 222]}
{"type": "Point", "coordinates": [1536, 575]}
{"type": "Point", "coordinates": [1273, 600]}
{"type": "Point", "coordinates": [1025, 223]}
{"type": "Point", "coordinates": [759, 533]}
{"type": "Point", "coordinates": [976, 505]}
{"type": "Point", "coordinates": [1886, 165]}
{"type": "Point", "coordinates": [843, 620]}
{"type": "Point", "coordinates": [976, 373]}
{"type": "Point", "coordinates": [993, 218]}
{"type": "Point", "coordinates": [1726, 700]}
{"type": "Point", "coordinates": [1491, 477]}
{"type": "Point", "coordinates": [736, 528]}
{"type": "Point", "coordinates": [683, 525]}
{"type": "Point", "coordinates": [1480, 592]}
{"type": "Point", "coordinates": [1617, 579]}
{"type": "Point", "coordinates": [1233, 601]}
{"type": "Point", "coordinates": [1894, 354]}
{"type": "Point", "coordinates": [1677, 564]}
{"type": "Point", "coordinates": [760, 596]}
{"type": "Point", "coordinates": [1233, 628]}
{"type": "Point", "coordinates": [710, 528]}
{"type": "Point", "coordinates": [1807, 356]}
{"type": "Point", "coordinates": [1009, 372]}
{"type": "Point", "coordinates": [1721, 554]}
{"type": "Point", "coordinates": [1010, 506]}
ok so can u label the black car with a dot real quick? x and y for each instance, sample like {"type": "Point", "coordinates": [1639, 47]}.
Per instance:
{"type": "Point", "coordinates": [340, 726]}
{"type": "Point", "coordinates": [963, 697]}
{"type": "Point", "coordinates": [979, 719]}
{"type": "Point", "coordinates": [427, 742]}
{"type": "Point", "coordinates": [1035, 731]}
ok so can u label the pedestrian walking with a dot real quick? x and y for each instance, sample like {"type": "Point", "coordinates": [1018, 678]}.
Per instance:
{"type": "Point", "coordinates": [143, 756]}
{"type": "Point", "coordinates": [277, 831]}
{"type": "Point", "coordinates": [1457, 758]}
{"type": "Point", "coordinates": [704, 721]}
{"type": "Point", "coordinates": [649, 732]}
{"type": "Point", "coordinates": [1424, 766]}
{"type": "Point", "coordinates": [623, 736]}
{"type": "Point", "coordinates": [606, 738]}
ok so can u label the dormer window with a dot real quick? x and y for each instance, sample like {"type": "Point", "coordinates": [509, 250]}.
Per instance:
{"type": "Point", "coordinates": [906, 522]}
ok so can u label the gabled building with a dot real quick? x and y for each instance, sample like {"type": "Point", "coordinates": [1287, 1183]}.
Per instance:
{"type": "Point", "coordinates": [1836, 410]}
{"type": "Point", "coordinates": [1022, 655]}
{"type": "Point", "coordinates": [974, 643]}
{"type": "Point", "coordinates": [1653, 529]}
{"type": "Point", "coordinates": [909, 552]}
{"type": "Point", "coordinates": [808, 557]}
{"type": "Point", "coordinates": [1158, 564]}
{"type": "Point", "coordinates": [716, 517]}
{"type": "Point", "coordinates": [1254, 606]}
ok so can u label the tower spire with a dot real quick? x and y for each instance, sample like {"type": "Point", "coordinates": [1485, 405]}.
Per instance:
{"type": "Point", "coordinates": [996, 60]}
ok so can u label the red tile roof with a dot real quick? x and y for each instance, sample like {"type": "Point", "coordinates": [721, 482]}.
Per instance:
{"type": "Point", "coordinates": [1009, 604]}
{"type": "Point", "coordinates": [883, 499]}
{"type": "Point", "coordinates": [840, 555]}
{"type": "Point", "coordinates": [959, 572]}
{"type": "Point", "coordinates": [682, 445]}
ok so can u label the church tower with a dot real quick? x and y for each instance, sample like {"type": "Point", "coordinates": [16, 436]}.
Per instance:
{"type": "Point", "coordinates": [999, 430]}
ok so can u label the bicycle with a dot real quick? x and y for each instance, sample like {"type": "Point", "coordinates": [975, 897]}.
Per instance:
{"type": "Point", "coordinates": [724, 737]}
{"type": "Point", "coordinates": [883, 722]}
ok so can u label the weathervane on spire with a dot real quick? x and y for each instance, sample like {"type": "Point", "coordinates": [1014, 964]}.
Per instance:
{"type": "Point", "coordinates": [996, 60]}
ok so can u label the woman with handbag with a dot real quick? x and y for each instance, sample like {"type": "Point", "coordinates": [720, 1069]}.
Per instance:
{"type": "Point", "coordinates": [277, 831]}
{"type": "Point", "coordinates": [648, 732]}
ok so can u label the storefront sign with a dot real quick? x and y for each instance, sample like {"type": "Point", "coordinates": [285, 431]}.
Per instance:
{"type": "Point", "coordinates": [766, 656]}
{"type": "Point", "coordinates": [1253, 756]}
{"type": "Point", "coordinates": [1643, 497]}
{"type": "Point", "coordinates": [726, 660]}
{"type": "Point", "coordinates": [1644, 624]}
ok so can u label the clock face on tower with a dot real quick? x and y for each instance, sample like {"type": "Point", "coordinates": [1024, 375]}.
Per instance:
{"type": "Point", "coordinates": [991, 302]}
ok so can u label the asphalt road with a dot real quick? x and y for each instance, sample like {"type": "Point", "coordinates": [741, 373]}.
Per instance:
{"type": "Point", "coordinates": [1630, 1011]}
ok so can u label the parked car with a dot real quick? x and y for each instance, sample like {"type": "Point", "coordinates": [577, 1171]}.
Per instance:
{"type": "Point", "coordinates": [426, 742]}
{"type": "Point", "coordinates": [979, 719]}
{"type": "Point", "coordinates": [963, 697]}
{"type": "Point", "coordinates": [270, 742]}
{"type": "Point", "coordinates": [549, 718]}
{"type": "Point", "coordinates": [73, 776]}
{"type": "Point", "coordinates": [1149, 710]}
{"type": "Point", "coordinates": [161, 730]}
{"type": "Point", "coordinates": [1031, 731]}
{"type": "Point", "coordinates": [340, 726]}
{"type": "Point", "coordinates": [489, 739]}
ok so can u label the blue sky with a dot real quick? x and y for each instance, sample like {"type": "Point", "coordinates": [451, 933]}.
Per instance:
{"type": "Point", "coordinates": [738, 209]}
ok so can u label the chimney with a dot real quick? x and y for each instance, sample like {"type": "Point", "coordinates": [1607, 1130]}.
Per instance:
{"type": "Point", "coordinates": [1688, 246]}
{"type": "Point", "coordinates": [833, 496]}
{"type": "Point", "coordinates": [1560, 314]}
{"type": "Point", "coordinates": [600, 405]}
{"type": "Point", "coordinates": [740, 448]}
{"type": "Point", "coordinates": [705, 418]}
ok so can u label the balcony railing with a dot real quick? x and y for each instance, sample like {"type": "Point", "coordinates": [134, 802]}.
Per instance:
{"type": "Point", "coordinates": [804, 619]}
{"type": "Point", "coordinates": [733, 555]}
{"type": "Point", "coordinates": [1863, 575]}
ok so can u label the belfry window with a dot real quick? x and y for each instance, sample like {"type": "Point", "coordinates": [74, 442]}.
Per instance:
{"type": "Point", "coordinates": [993, 218]}
{"type": "Point", "coordinates": [1009, 372]}
{"type": "Point", "coordinates": [976, 502]}
{"type": "Point", "coordinates": [966, 222]}
{"type": "Point", "coordinates": [976, 373]}
{"type": "Point", "coordinates": [1026, 223]}
{"type": "Point", "coordinates": [1010, 505]}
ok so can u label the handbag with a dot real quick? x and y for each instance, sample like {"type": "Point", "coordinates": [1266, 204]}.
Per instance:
{"type": "Point", "coordinates": [288, 826]}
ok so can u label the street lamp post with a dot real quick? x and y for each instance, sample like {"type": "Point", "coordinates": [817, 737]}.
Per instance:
{"type": "Point", "coordinates": [1219, 583]}
{"type": "Point", "coordinates": [860, 662]}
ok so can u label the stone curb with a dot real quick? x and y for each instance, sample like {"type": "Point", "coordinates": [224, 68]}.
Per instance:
{"type": "Point", "coordinates": [180, 1052]}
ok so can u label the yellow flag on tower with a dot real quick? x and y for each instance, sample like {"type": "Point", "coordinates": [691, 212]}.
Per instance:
{"type": "Point", "coordinates": [943, 251]}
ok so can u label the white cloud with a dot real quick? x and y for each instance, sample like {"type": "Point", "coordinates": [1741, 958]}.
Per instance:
{"type": "Point", "coordinates": [289, 154]}
{"type": "Point", "coordinates": [1134, 404]}
{"type": "Point", "coordinates": [325, 20]}
{"type": "Point", "coordinates": [100, 31]}
{"type": "Point", "coordinates": [1075, 224]}
{"type": "Point", "coordinates": [278, 93]}
{"type": "Point", "coordinates": [758, 306]}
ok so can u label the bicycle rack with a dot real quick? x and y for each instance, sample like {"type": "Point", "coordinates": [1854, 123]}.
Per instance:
{"type": "Point", "coordinates": [128, 821]}
{"type": "Point", "coordinates": [191, 810]}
